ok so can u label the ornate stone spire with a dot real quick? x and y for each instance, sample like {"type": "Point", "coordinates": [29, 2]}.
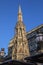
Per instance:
{"type": "Point", "coordinates": [20, 14]}
{"type": "Point", "coordinates": [20, 47]}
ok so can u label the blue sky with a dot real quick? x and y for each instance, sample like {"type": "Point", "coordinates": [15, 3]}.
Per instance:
{"type": "Point", "coordinates": [32, 11]}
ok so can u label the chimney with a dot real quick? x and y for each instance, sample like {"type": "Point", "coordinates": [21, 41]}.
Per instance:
{"type": "Point", "coordinates": [2, 51]}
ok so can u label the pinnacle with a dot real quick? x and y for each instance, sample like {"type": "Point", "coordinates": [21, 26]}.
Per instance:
{"type": "Point", "coordinates": [20, 14]}
{"type": "Point", "coordinates": [20, 9]}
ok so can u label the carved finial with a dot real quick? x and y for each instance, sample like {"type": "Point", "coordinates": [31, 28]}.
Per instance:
{"type": "Point", "coordinates": [20, 14]}
{"type": "Point", "coordinates": [20, 9]}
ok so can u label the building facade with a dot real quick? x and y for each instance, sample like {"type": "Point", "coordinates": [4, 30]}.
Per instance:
{"type": "Point", "coordinates": [35, 40]}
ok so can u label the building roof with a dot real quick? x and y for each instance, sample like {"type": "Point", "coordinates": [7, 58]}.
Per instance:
{"type": "Point", "coordinates": [38, 27]}
{"type": "Point", "coordinates": [16, 62]}
{"type": "Point", "coordinates": [36, 58]}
